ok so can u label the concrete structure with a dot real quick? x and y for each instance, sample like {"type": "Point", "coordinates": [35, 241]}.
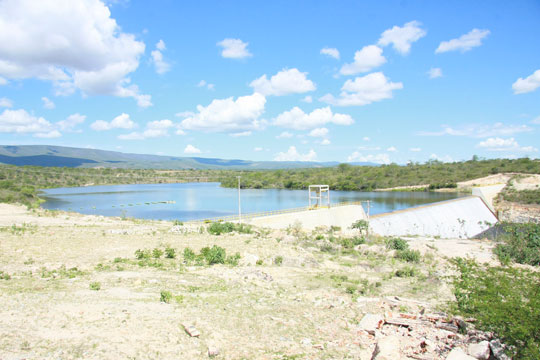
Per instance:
{"type": "Point", "coordinates": [458, 218]}
{"type": "Point", "coordinates": [488, 193]}
{"type": "Point", "coordinates": [343, 216]}
{"type": "Point", "coordinates": [320, 195]}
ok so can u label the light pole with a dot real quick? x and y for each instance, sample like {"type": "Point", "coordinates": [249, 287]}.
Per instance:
{"type": "Point", "coordinates": [239, 203]}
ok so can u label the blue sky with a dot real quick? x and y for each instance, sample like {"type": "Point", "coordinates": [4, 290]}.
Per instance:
{"type": "Point", "coordinates": [340, 81]}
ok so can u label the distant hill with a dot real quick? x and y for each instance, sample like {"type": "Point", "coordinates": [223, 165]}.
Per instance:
{"type": "Point", "coordinates": [60, 156]}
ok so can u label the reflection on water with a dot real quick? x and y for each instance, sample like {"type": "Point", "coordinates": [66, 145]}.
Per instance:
{"type": "Point", "coordinates": [205, 200]}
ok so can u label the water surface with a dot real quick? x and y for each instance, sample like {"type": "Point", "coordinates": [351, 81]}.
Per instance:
{"type": "Point", "coordinates": [192, 201]}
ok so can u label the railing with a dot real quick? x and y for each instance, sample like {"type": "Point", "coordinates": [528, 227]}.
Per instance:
{"type": "Point", "coordinates": [230, 218]}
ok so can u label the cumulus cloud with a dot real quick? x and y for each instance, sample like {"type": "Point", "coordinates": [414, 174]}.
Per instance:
{"type": "Point", "coordinates": [287, 81]}
{"type": "Point", "coordinates": [257, 149]}
{"type": "Point", "coordinates": [377, 158]}
{"type": "Point", "coordinates": [435, 73]}
{"type": "Point", "coordinates": [297, 119]}
{"type": "Point", "coordinates": [241, 134]}
{"type": "Point", "coordinates": [204, 84]}
{"type": "Point", "coordinates": [464, 42]}
{"type": "Point", "coordinates": [190, 149]}
{"type": "Point", "coordinates": [366, 59]}
{"type": "Point", "coordinates": [308, 99]}
{"type": "Point", "coordinates": [73, 43]}
{"type": "Point", "coordinates": [318, 132]}
{"type": "Point", "coordinates": [530, 83]}
{"type": "Point", "coordinates": [154, 129]}
{"type": "Point", "coordinates": [499, 144]}
{"type": "Point", "coordinates": [160, 65]}
{"type": "Point", "coordinates": [47, 104]}
{"type": "Point", "coordinates": [415, 149]}
{"type": "Point", "coordinates": [228, 115]}
{"type": "Point", "coordinates": [5, 102]}
{"type": "Point", "coordinates": [479, 130]}
{"type": "Point", "coordinates": [234, 49]}
{"type": "Point", "coordinates": [21, 122]}
{"type": "Point", "coordinates": [71, 122]}
{"type": "Point", "coordinates": [325, 142]}
{"type": "Point", "coordinates": [332, 52]}
{"type": "Point", "coordinates": [364, 90]}
{"type": "Point", "coordinates": [122, 121]}
{"type": "Point", "coordinates": [293, 155]}
{"type": "Point", "coordinates": [391, 149]}
{"type": "Point", "coordinates": [536, 121]}
{"type": "Point", "coordinates": [284, 135]}
{"type": "Point", "coordinates": [401, 38]}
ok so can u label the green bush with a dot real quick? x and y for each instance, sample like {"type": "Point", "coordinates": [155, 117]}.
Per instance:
{"type": "Point", "coordinates": [143, 254]}
{"type": "Point", "coordinates": [408, 255]}
{"type": "Point", "coordinates": [406, 272]}
{"type": "Point", "coordinates": [218, 228]}
{"type": "Point", "coordinates": [214, 255]}
{"type": "Point", "coordinates": [4, 276]}
{"type": "Point", "coordinates": [170, 253]}
{"type": "Point", "coordinates": [157, 253]}
{"type": "Point", "coordinates": [504, 300]}
{"type": "Point", "coordinates": [189, 255]}
{"type": "Point", "coordinates": [165, 296]}
{"type": "Point", "coordinates": [233, 260]}
{"type": "Point", "coordinates": [520, 243]}
{"type": "Point", "coordinates": [278, 260]}
{"type": "Point", "coordinates": [396, 244]}
{"type": "Point", "coordinates": [95, 286]}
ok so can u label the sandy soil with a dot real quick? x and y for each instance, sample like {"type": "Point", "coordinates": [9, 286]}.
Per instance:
{"type": "Point", "coordinates": [301, 309]}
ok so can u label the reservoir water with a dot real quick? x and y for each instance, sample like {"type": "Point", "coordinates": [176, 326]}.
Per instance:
{"type": "Point", "coordinates": [193, 201]}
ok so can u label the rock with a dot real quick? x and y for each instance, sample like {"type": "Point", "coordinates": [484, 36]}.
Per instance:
{"type": "Point", "coordinates": [387, 348]}
{"type": "Point", "coordinates": [458, 354]}
{"type": "Point", "coordinates": [191, 330]}
{"type": "Point", "coordinates": [498, 350]}
{"type": "Point", "coordinates": [480, 351]}
{"type": "Point", "coordinates": [371, 322]}
{"type": "Point", "coordinates": [213, 351]}
{"type": "Point", "coordinates": [249, 259]}
{"type": "Point", "coordinates": [306, 342]}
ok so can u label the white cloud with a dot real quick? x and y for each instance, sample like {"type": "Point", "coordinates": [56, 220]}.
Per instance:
{"type": "Point", "coordinates": [71, 122]}
{"type": "Point", "coordinates": [257, 149]}
{"type": "Point", "coordinates": [184, 114]}
{"type": "Point", "coordinates": [228, 115]}
{"type": "Point", "coordinates": [234, 49]}
{"type": "Point", "coordinates": [536, 121]}
{"type": "Point", "coordinates": [49, 135]}
{"type": "Point", "coordinates": [377, 158]}
{"type": "Point", "coordinates": [190, 149]}
{"type": "Point", "coordinates": [21, 122]}
{"type": "Point", "coordinates": [122, 121]}
{"type": "Point", "coordinates": [203, 83]}
{"type": "Point", "coordinates": [415, 149]}
{"type": "Point", "coordinates": [154, 129]}
{"type": "Point", "coordinates": [73, 43]}
{"type": "Point", "coordinates": [435, 73]}
{"type": "Point", "coordinates": [287, 81]}
{"type": "Point", "coordinates": [293, 155]}
{"type": "Point", "coordinates": [464, 42]}
{"type": "Point", "coordinates": [446, 158]}
{"type": "Point", "coordinates": [297, 119]}
{"type": "Point", "coordinates": [332, 52]}
{"type": "Point", "coordinates": [366, 138]}
{"type": "Point", "coordinates": [47, 104]}
{"type": "Point", "coordinates": [241, 134]}
{"type": "Point", "coordinates": [364, 90]}
{"type": "Point", "coordinates": [499, 144]}
{"type": "Point", "coordinates": [480, 130]}
{"type": "Point", "coordinates": [369, 148]}
{"type": "Point", "coordinates": [402, 37]}
{"type": "Point", "coordinates": [325, 142]}
{"type": "Point", "coordinates": [318, 132]}
{"type": "Point", "coordinates": [366, 59]}
{"type": "Point", "coordinates": [157, 58]}
{"type": "Point", "coordinates": [308, 99]}
{"type": "Point", "coordinates": [284, 135]}
{"type": "Point", "coordinates": [530, 83]}
{"type": "Point", "coordinates": [3, 81]}
{"type": "Point", "coordinates": [391, 149]}
{"type": "Point", "coordinates": [5, 102]}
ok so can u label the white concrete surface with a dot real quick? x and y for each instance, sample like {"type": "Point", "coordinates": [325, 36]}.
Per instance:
{"type": "Point", "coordinates": [458, 218]}
{"type": "Point", "coordinates": [342, 216]}
{"type": "Point", "coordinates": [488, 193]}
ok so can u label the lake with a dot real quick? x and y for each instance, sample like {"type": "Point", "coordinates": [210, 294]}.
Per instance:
{"type": "Point", "coordinates": [195, 201]}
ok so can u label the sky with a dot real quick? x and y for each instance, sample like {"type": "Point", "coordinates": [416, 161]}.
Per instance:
{"type": "Point", "coordinates": [347, 81]}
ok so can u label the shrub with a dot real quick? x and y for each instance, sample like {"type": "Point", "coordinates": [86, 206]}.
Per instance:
{"type": "Point", "coordinates": [95, 286]}
{"type": "Point", "coordinates": [521, 243]}
{"type": "Point", "coordinates": [233, 260]}
{"type": "Point", "coordinates": [218, 228]}
{"type": "Point", "coordinates": [278, 260]}
{"type": "Point", "coordinates": [157, 253]}
{"type": "Point", "coordinates": [406, 272]}
{"type": "Point", "coordinates": [396, 244]}
{"type": "Point", "coordinates": [189, 255]}
{"type": "Point", "coordinates": [408, 255]}
{"type": "Point", "coordinates": [170, 253]}
{"type": "Point", "coordinates": [361, 225]}
{"type": "Point", "coordinates": [504, 300]}
{"type": "Point", "coordinates": [350, 289]}
{"type": "Point", "coordinates": [142, 254]}
{"type": "Point", "coordinates": [259, 262]}
{"type": "Point", "coordinates": [4, 276]}
{"type": "Point", "coordinates": [214, 255]}
{"type": "Point", "coordinates": [165, 296]}
{"type": "Point", "coordinates": [178, 223]}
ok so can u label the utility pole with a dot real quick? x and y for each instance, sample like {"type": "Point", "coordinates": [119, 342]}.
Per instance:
{"type": "Point", "coordinates": [239, 202]}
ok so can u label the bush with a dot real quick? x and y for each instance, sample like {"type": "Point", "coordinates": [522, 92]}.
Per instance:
{"type": "Point", "coordinates": [396, 244]}
{"type": "Point", "coordinates": [165, 296]}
{"type": "Point", "coordinates": [406, 272]}
{"type": "Point", "coordinates": [521, 243]}
{"type": "Point", "coordinates": [142, 254]}
{"type": "Point", "coordinates": [504, 300]}
{"type": "Point", "coordinates": [95, 286]}
{"type": "Point", "coordinates": [408, 255]}
{"type": "Point", "coordinates": [157, 253]}
{"type": "Point", "coordinates": [214, 255]}
{"type": "Point", "coordinates": [189, 255]}
{"type": "Point", "coordinates": [361, 225]}
{"type": "Point", "coordinates": [218, 228]}
{"type": "Point", "coordinates": [4, 276]}
{"type": "Point", "coordinates": [170, 253]}
{"type": "Point", "coordinates": [278, 260]}
{"type": "Point", "coordinates": [233, 260]}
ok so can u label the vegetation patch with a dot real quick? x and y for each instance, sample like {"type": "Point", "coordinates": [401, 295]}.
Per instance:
{"type": "Point", "coordinates": [218, 228]}
{"type": "Point", "coordinates": [211, 256]}
{"type": "Point", "coordinates": [519, 243]}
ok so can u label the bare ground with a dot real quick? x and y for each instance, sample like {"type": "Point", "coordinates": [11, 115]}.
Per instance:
{"type": "Point", "coordinates": [308, 307]}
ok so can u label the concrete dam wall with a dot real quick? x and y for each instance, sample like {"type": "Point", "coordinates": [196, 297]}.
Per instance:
{"type": "Point", "coordinates": [458, 218]}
